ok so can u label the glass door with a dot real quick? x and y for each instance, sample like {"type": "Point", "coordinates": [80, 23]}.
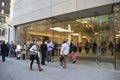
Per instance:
{"type": "Point", "coordinates": [105, 37]}
{"type": "Point", "coordinates": [116, 14]}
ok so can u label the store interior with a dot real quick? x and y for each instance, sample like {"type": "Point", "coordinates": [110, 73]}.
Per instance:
{"type": "Point", "coordinates": [96, 28]}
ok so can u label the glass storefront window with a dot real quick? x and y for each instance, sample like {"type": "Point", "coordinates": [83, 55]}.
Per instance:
{"type": "Point", "coordinates": [93, 28]}
{"type": "Point", "coordinates": [99, 29]}
{"type": "Point", "coordinates": [116, 14]}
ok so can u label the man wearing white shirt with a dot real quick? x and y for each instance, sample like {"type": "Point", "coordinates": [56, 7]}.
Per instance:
{"type": "Point", "coordinates": [63, 54]}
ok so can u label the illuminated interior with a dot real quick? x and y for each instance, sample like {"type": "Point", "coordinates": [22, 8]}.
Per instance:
{"type": "Point", "coordinates": [98, 28]}
{"type": "Point", "coordinates": [93, 28]}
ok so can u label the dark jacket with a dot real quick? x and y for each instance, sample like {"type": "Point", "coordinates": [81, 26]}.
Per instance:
{"type": "Point", "coordinates": [73, 48]}
{"type": "Point", "coordinates": [4, 48]}
{"type": "Point", "coordinates": [43, 48]}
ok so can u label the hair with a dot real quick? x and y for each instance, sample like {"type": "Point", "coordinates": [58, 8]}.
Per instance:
{"type": "Point", "coordinates": [64, 41]}
{"type": "Point", "coordinates": [43, 41]}
{"type": "Point", "coordinates": [3, 42]}
{"type": "Point", "coordinates": [24, 43]}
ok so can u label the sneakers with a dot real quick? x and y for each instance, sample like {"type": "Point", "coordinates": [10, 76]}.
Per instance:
{"type": "Point", "coordinates": [40, 69]}
{"type": "Point", "coordinates": [61, 66]}
{"type": "Point", "coordinates": [74, 62]}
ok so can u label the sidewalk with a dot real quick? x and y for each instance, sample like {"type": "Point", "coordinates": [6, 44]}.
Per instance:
{"type": "Point", "coordinates": [14, 69]}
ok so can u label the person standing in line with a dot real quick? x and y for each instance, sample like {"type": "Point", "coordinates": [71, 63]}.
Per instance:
{"type": "Point", "coordinates": [7, 53]}
{"type": "Point", "coordinates": [55, 49]}
{"type": "Point", "coordinates": [43, 49]}
{"type": "Point", "coordinates": [50, 47]}
{"type": "Point", "coordinates": [94, 47]}
{"type": "Point", "coordinates": [111, 47]}
{"type": "Point", "coordinates": [3, 50]}
{"type": "Point", "coordinates": [63, 54]}
{"type": "Point", "coordinates": [74, 50]}
{"type": "Point", "coordinates": [18, 50]}
{"type": "Point", "coordinates": [105, 44]}
{"type": "Point", "coordinates": [103, 47]}
{"type": "Point", "coordinates": [80, 47]}
{"type": "Point", "coordinates": [34, 55]}
{"type": "Point", "coordinates": [71, 43]}
{"type": "Point", "coordinates": [87, 47]}
{"type": "Point", "coordinates": [11, 52]}
{"type": "Point", "coordinates": [24, 51]}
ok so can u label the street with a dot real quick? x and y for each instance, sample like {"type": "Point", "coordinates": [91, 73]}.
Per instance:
{"type": "Point", "coordinates": [13, 69]}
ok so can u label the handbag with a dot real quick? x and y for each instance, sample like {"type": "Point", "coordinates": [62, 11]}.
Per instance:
{"type": "Point", "coordinates": [33, 53]}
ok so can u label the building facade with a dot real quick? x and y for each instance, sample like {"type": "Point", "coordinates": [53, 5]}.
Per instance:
{"type": "Point", "coordinates": [78, 20]}
{"type": "Point", "coordinates": [4, 19]}
{"type": "Point", "coordinates": [5, 6]}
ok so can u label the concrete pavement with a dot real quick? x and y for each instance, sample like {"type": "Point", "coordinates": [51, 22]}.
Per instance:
{"type": "Point", "coordinates": [14, 69]}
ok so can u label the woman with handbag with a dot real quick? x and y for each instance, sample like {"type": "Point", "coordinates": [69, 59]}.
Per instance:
{"type": "Point", "coordinates": [34, 55]}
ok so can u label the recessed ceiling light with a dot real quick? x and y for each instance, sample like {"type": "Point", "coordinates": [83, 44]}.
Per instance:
{"type": "Point", "coordinates": [84, 22]}
{"type": "Point", "coordinates": [75, 34]}
{"type": "Point", "coordinates": [84, 36]}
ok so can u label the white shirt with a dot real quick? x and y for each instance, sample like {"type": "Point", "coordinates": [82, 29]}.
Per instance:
{"type": "Point", "coordinates": [18, 48]}
{"type": "Point", "coordinates": [50, 46]}
{"type": "Point", "coordinates": [33, 48]}
{"type": "Point", "coordinates": [64, 49]}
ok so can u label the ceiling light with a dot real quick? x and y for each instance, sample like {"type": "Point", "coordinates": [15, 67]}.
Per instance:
{"type": "Point", "coordinates": [84, 22]}
{"type": "Point", "coordinates": [86, 25]}
{"type": "Point", "coordinates": [96, 33]}
{"type": "Point", "coordinates": [59, 29]}
{"type": "Point", "coordinates": [90, 25]}
{"type": "Point", "coordinates": [75, 34]}
{"type": "Point", "coordinates": [77, 20]}
{"type": "Point", "coordinates": [116, 14]}
{"type": "Point", "coordinates": [84, 36]}
{"type": "Point", "coordinates": [117, 35]}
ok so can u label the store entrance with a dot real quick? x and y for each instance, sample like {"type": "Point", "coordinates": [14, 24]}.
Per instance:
{"type": "Point", "coordinates": [97, 30]}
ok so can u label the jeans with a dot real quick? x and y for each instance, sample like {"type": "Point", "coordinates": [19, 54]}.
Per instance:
{"type": "Point", "coordinates": [49, 56]}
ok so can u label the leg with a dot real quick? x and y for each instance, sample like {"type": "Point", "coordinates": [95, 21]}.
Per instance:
{"type": "Point", "coordinates": [65, 62]}
{"type": "Point", "coordinates": [3, 57]}
{"type": "Point", "coordinates": [38, 63]}
{"type": "Point", "coordinates": [9, 52]}
{"type": "Point", "coordinates": [47, 56]}
{"type": "Point", "coordinates": [50, 54]}
{"type": "Point", "coordinates": [43, 58]}
{"type": "Point", "coordinates": [61, 60]}
{"type": "Point", "coordinates": [74, 57]}
{"type": "Point", "coordinates": [32, 60]}
{"type": "Point", "coordinates": [42, 62]}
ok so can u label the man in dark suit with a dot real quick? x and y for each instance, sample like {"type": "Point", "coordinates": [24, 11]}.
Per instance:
{"type": "Point", "coordinates": [43, 49]}
{"type": "Point", "coordinates": [3, 50]}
